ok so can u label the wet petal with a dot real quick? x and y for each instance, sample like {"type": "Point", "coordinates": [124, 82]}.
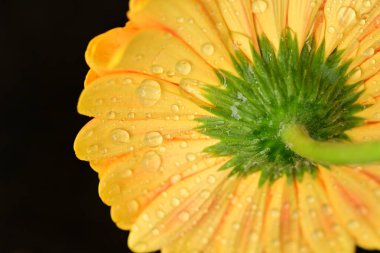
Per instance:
{"type": "Point", "coordinates": [131, 49]}
{"type": "Point", "coordinates": [150, 232]}
{"type": "Point", "coordinates": [189, 20]}
{"type": "Point", "coordinates": [129, 183]}
{"type": "Point", "coordinates": [320, 226]}
{"type": "Point", "coordinates": [135, 96]}
{"type": "Point", "coordinates": [353, 198]}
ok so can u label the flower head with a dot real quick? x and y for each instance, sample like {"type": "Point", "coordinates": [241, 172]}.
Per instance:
{"type": "Point", "coordinates": [238, 125]}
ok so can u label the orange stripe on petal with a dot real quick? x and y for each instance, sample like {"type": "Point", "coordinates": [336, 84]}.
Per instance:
{"type": "Point", "coordinates": [355, 204]}
{"type": "Point", "coordinates": [190, 21]}
{"type": "Point", "coordinates": [135, 96]}
{"type": "Point", "coordinates": [178, 212]}
{"type": "Point", "coordinates": [320, 226]}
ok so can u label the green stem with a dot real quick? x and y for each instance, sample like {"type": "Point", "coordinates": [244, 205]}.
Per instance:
{"type": "Point", "coordinates": [298, 140]}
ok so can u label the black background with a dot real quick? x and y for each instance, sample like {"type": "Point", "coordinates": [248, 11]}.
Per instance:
{"type": "Point", "coordinates": [48, 198]}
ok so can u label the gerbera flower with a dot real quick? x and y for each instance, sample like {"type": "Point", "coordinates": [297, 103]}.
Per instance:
{"type": "Point", "coordinates": [238, 125]}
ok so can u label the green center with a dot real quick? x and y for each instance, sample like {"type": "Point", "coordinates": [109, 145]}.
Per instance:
{"type": "Point", "coordinates": [290, 87]}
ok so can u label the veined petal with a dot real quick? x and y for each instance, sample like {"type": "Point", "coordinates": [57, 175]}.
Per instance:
{"type": "Point", "coordinates": [129, 183]}
{"type": "Point", "coordinates": [345, 22]}
{"type": "Point", "coordinates": [238, 16]}
{"type": "Point", "coordinates": [150, 232]}
{"type": "Point", "coordinates": [371, 90]}
{"type": "Point", "coordinates": [357, 207]}
{"type": "Point", "coordinates": [302, 17]}
{"type": "Point", "coordinates": [136, 96]}
{"type": "Point", "coordinates": [320, 226]}
{"type": "Point", "coordinates": [103, 139]}
{"type": "Point", "coordinates": [151, 51]}
{"type": "Point", "coordinates": [270, 18]}
{"type": "Point", "coordinates": [365, 133]}
{"type": "Point", "coordinates": [202, 237]}
{"type": "Point", "coordinates": [189, 21]}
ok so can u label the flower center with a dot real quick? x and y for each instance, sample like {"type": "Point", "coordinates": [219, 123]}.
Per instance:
{"type": "Point", "coordinates": [276, 90]}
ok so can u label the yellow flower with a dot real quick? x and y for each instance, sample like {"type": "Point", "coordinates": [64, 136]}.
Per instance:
{"type": "Point", "coordinates": [233, 125]}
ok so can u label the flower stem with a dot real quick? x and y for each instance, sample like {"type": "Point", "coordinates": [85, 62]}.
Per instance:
{"type": "Point", "coordinates": [332, 153]}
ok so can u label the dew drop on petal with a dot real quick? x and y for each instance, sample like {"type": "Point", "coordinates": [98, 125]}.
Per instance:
{"type": "Point", "coordinates": [175, 179]}
{"type": "Point", "coordinates": [120, 135]}
{"type": "Point", "coordinates": [184, 216]}
{"type": "Point", "coordinates": [346, 15]}
{"type": "Point", "coordinates": [149, 92]}
{"type": "Point", "coordinates": [156, 69]}
{"type": "Point", "coordinates": [151, 160]}
{"type": "Point", "coordinates": [131, 115]}
{"type": "Point", "coordinates": [211, 179]}
{"type": "Point", "coordinates": [174, 108]}
{"type": "Point", "coordinates": [205, 194]}
{"type": "Point", "coordinates": [259, 6]}
{"type": "Point", "coordinates": [352, 224]}
{"type": "Point", "coordinates": [331, 29]}
{"type": "Point", "coordinates": [156, 232]}
{"type": "Point", "coordinates": [92, 149]}
{"type": "Point", "coordinates": [111, 115]}
{"type": "Point", "coordinates": [153, 139]}
{"type": "Point", "coordinates": [191, 157]}
{"type": "Point", "coordinates": [175, 202]}
{"type": "Point", "coordinates": [133, 206]}
{"type": "Point", "coordinates": [369, 52]}
{"type": "Point", "coordinates": [184, 144]}
{"type": "Point", "coordinates": [208, 49]}
{"type": "Point", "coordinates": [183, 67]}
{"type": "Point", "coordinates": [160, 214]}
{"type": "Point", "coordinates": [184, 192]}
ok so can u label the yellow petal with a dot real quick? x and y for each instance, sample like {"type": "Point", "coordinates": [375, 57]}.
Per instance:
{"type": "Point", "coordinates": [365, 133]}
{"type": "Point", "coordinates": [302, 16]}
{"type": "Point", "coordinates": [179, 212]}
{"type": "Point", "coordinates": [129, 183]}
{"type": "Point", "coordinates": [150, 50]}
{"type": "Point", "coordinates": [372, 113]}
{"type": "Point", "coordinates": [106, 138]}
{"type": "Point", "coordinates": [190, 21]}
{"type": "Point", "coordinates": [371, 90]}
{"type": "Point", "coordinates": [205, 233]}
{"type": "Point", "coordinates": [353, 198]}
{"type": "Point", "coordinates": [345, 22]}
{"type": "Point", "coordinates": [135, 96]}
{"type": "Point", "coordinates": [238, 17]}
{"type": "Point", "coordinates": [270, 18]}
{"type": "Point", "coordinates": [320, 226]}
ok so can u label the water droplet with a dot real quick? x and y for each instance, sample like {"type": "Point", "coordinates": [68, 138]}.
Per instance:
{"type": "Point", "coordinates": [92, 149]}
{"type": "Point", "coordinates": [151, 160]}
{"type": "Point", "coordinates": [208, 49]}
{"type": "Point", "coordinates": [259, 6]}
{"type": "Point", "coordinates": [153, 139]}
{"type": "Point", "coordinates": [133, 206]}
{"type": "Point", "coordinates": [184, 144]}
{"type": "Point", "coordinates": [141, 247]}
{"type": "Point", "coordinates": [331, 29]}
{"type": "Point", "coordinates": [149, 92]}
{"type": "Point", "coordinates": [176, 202]}
{"type": "Point", "coordinates": [184, 216]}
{"type": "Point", "coordinates": [184, 192]}
{"type": "Point", "coordinates": [174, 108]}
{"type": "Point", "coordinates": [367, 3]}
{"type": "Point", "coordinates": [369, 52]}
{"type": "Point", "coordinates": [157, 69]}
{"type": "Point", "coordinates": [131, 115]}
{"type": "Point", "coordinates": [111, 115]}
{"type": "Point", "coordinates": [113, 190]}
{"type": "Point", "coordinates": [160, 214]}
{"type": "Point", "coordinates": [357, 73]}
{"type": "Point", "coordinates": [120, 135]}
{"type": "Point", "coordinates": [326, 209]}
{"type": "Point", "coordinates": [99, 101]}
{"type": "Point", "coordinates": [191, 157]}
{"type": "Point", "coordinates": [211, 179]}
{"type": "Point", "coordinates": [180, 20]}
{"type": "Point", "coordinates": [175, 179]}
{"type": "Point", "coordinates": [205, 194]}
{"type": "Point", "coordinates": [183, 67]}
{"type": "Point", "coordinates": [352, 224]}
{"type": "Point", "coordinates": [310, 199]}
{"type": "Point", "coordinates": [346, 15]}
{"type": "Point", "coordinates": [275, 213]}
{"type": "Point", "coordinates": [126, 81]}
{"type": "Point", "coordinates": [236, 225]}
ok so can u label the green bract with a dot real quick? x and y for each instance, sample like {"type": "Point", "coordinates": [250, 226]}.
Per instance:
{"type": "Point", "coordinates": [288, 87]}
